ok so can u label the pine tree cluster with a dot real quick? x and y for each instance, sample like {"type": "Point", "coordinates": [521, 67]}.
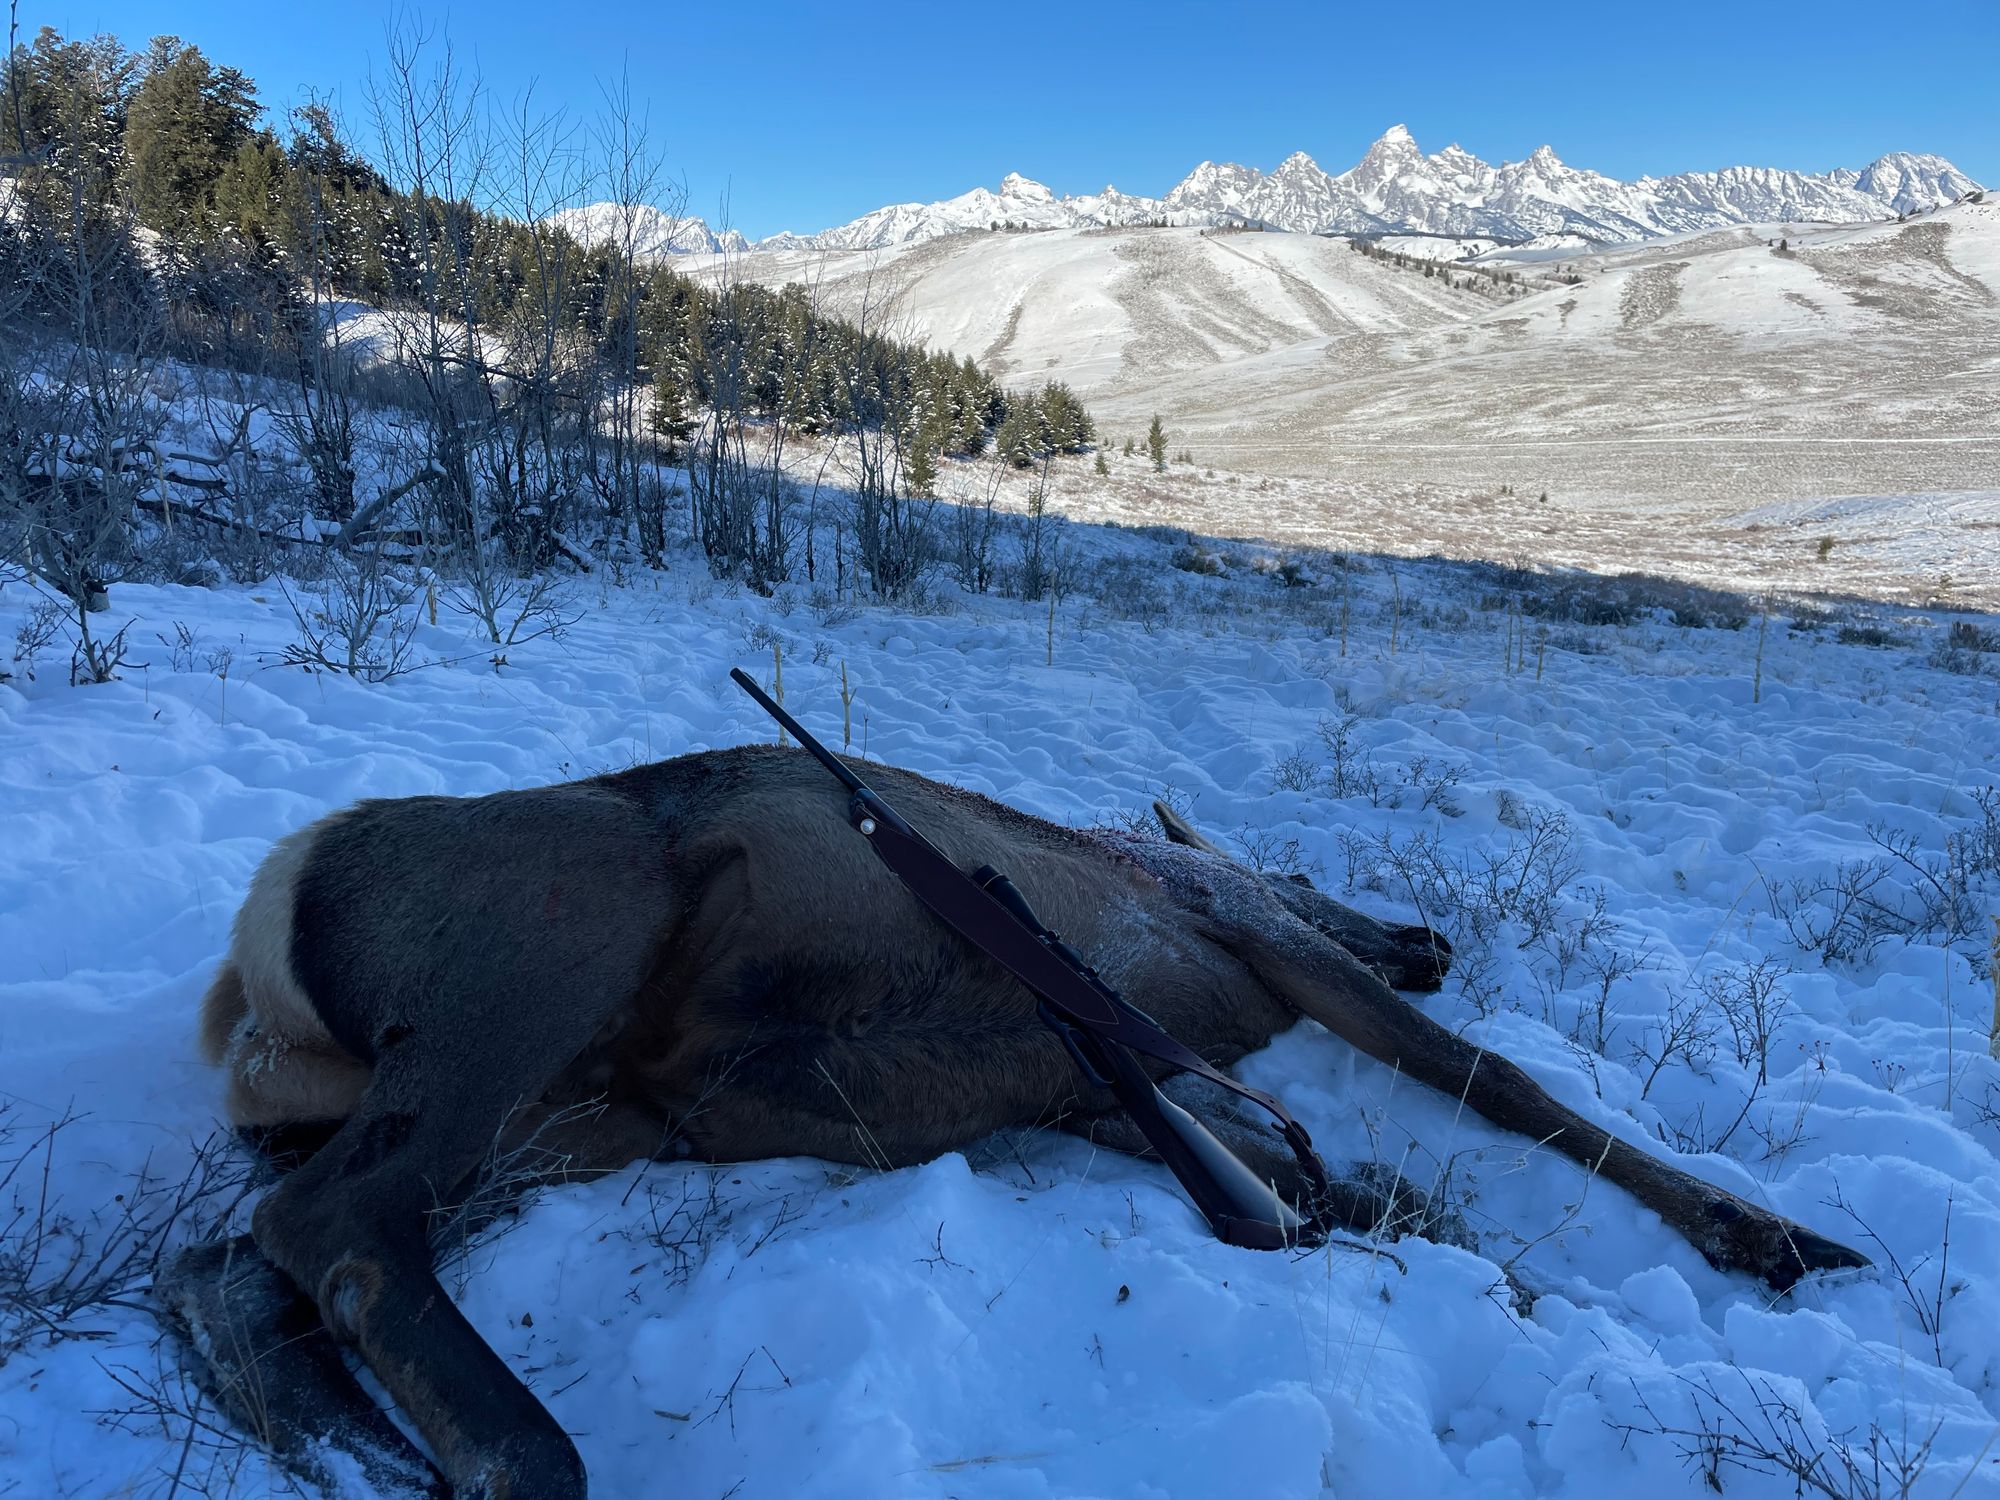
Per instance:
{"type": "Point", "coordinates": [240, 218]}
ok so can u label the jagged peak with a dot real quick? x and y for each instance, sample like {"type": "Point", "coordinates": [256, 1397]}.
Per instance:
{"type": "Point", "coordinates": [1015, 185]}
{"type": "Point", "coordinates": [1925, 159]}
{"type": "Point", "coordinates": [1396, 185]}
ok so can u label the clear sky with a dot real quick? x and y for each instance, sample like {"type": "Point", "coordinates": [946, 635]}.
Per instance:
{"type": "Point", "coordinates": [800, 116]}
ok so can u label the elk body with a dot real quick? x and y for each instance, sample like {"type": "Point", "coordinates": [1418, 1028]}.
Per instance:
{"type": "Point", "coordinates": [700, 958]}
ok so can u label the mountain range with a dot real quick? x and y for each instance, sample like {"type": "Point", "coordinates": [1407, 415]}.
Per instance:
{"type": "Point", "coordinates": [1394, 189]}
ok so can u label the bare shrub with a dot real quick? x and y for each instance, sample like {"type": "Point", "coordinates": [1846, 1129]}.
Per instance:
{"type": "Point", "coordinates": [1927, 1285]}
{"type": "Point", "coordinates": [183, 651]}
{"type": "Point", "coordinates": [1689, 1033]}
{"type": "Point", "coordinates": [1350, 772]}
{"type": "Point", "coordinates": [1047, 561]}
{"type": "Point", "coordinates": [1192, 558]}
{"type": "Point", "coordinates": [58, 1267]}
{"type": "Point", "coordinates": [973, 531]}
{"type": "Point", "coordinates": [98, 657]}
{"type": "Point", "coordinates": [1523, 889]}
{"type": "Point", "coordinates": [830, 610]}
{"type": "Point", "coordinates": [512, 607]}
{"type": "Point", "coordinates": [500, 1184]}
{"type": "Point", "coordinates": [1907, 891]}
{"type": "Point", "coordinates": [1433, 782]}
{"type": "Point", "coordinates": [43, 625]}
{"type": "Point", "coordinates": [359, 618]}
{"type": "Point", "coordinates": [1964, 649]}
{"type": "Point", "coordinates": [1755, 1007]}
{"type": "Point", "coordinates": [212, 1456]}
{"type": "Point", "coordinates": [1296, 772]}
{"type": "Point", "coordinates": [1269, 853]}
{"type": "Point", "coordinates": [1763, 1424]}
{"type": "Point", "coordinates": [1863, 633]}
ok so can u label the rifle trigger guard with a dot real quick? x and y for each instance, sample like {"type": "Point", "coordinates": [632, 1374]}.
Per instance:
{"type": "Point", "coordinates": [1070, 1040]}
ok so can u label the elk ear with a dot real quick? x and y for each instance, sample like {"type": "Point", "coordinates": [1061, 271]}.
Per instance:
{"type": "Point", "coordinates": [1180, 831]}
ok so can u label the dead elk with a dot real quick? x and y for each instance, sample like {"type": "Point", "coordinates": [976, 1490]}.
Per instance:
{"type": "Point", "coordinates": [699, 958]}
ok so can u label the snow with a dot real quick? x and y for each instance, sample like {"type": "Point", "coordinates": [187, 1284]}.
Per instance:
{"type": "Point", "coordinates": [1442, 246]}
{"type": "Point", "coordinates": [1058, 1322]}
{"type": "Point", "coordinates": [651, 231]}
{"type": "Point", "coordinates": [1102, 309]}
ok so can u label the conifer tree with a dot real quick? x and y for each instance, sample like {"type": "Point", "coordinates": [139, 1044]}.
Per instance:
{"type": "Point", "coordinates": [1019, 440]}
{"type": "Point", "coordinates": [1066, 426]}
{"type": "Point", "coordinates": [1156, 445]}
{"type": "Point", "coordinates": [186, 122]}
{"type": "Point", "coordinates": [920, 456]}
{"type": "Point", "coordinates": [671, 419]}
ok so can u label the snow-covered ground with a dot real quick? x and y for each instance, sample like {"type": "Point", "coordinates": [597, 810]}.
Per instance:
{"type": "Point", "coordinates": [1042, 1320]}
{"type": "Point", "coordinates": [1443, 246]}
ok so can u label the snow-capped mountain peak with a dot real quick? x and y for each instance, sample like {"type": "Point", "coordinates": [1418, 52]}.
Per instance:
{"type": "Point", "coordinates": [1394, 188]}
{"type": "Point", "coordinates": [1911, 180]}
{"type": "Point", "coordinates": [1014, 185]}
{"type": "Point", "coordinates": [653, 231]}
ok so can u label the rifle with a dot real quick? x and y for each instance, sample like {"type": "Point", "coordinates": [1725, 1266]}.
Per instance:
{"type": "Point", "coordinates": [1100, 1028]}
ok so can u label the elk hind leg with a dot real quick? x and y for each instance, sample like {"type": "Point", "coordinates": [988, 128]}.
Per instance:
{"type": "Point", "coordinates": [1331, 986]}
{"type": "Point", "coordinates": [267, 1361]}
{"type": "Point", "coordinates": [350, 1228]}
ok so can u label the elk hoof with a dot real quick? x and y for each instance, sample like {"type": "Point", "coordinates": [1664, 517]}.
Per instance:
{"type": "Point", "coordinates": [1376, 1199]}
{"type": "Point", "coordinates": [1417, 960]}
{"type": "Point", "coordinates": [533, 1467]}
{"type": "Point", "coordinates": [1773, 1249]}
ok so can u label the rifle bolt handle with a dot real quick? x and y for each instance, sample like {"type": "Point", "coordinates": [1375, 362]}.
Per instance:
{"type": "Point", "coordinates": [866, 825]}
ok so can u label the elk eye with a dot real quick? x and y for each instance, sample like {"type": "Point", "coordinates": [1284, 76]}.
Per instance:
{"type": "Point", "coordinates": [1724, 1212]}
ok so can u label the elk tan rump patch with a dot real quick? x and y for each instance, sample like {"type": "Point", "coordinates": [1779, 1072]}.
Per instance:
{"type": "Point", "coordinates": [257, 1022]}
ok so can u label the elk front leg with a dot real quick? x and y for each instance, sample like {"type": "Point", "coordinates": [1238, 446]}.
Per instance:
{"type": "Point", "coordinates": [1370, 1197]}
{"type": "Point", "coordinates": [1332, 987]}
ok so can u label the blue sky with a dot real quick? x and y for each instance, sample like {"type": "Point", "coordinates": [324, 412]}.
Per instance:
{"type": "Point", "coordinates": [801, 116]}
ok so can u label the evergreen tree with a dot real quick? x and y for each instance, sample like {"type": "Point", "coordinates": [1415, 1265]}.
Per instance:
{"type": "Point", "coordinates": [250, 193]}
{"type": "Point", "coordinates": [1066, 426]}
{"type": "Point", "coordinates": [671, 419]}
{"type": "Point", "coordinates": [1156, 445]}
{"type": "Point", "coordinates": [63, 107]}
{"type": "Point", "coordinates": [248, 229]}
{"type": "Point", "coordinates": [186, 121]}
{"type": "Point", "coordinates": [920, 468]}
{"type": "Point", "coordinates": [1019, 440]}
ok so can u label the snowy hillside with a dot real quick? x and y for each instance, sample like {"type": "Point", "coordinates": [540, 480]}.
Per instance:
{"type": "Point", "coordinates": [1035, 1318]}
{"type": "Point", "coordinates": [1102, 309]}
{"type": "Point", "coordinates": [1685, 380]}
{"type": "Point", "coordinates": [1396, 188]}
